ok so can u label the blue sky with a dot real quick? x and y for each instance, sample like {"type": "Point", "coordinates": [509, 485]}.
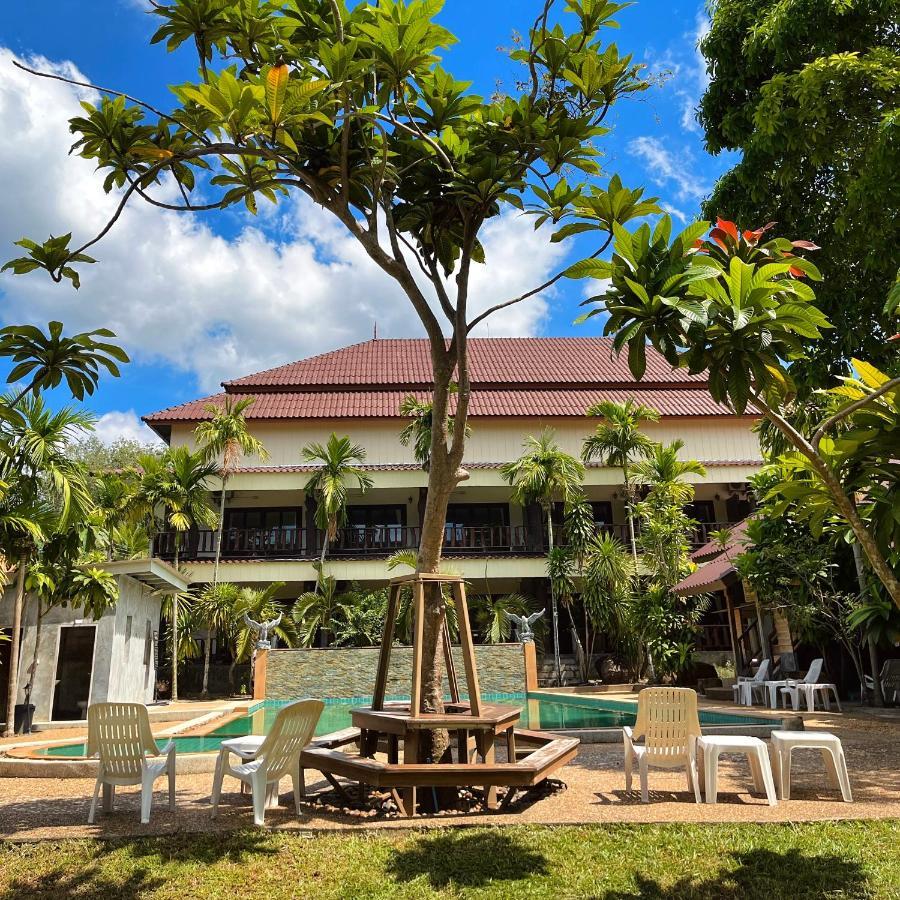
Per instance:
{"type": "Point", "coordinates": [217, 297]}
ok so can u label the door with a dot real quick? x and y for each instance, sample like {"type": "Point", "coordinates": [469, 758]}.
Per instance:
{"type": "Point", "coordinates": [74, 667]}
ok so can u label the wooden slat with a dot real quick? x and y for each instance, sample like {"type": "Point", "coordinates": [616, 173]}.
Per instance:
{"type": "Point", "coordinates": [415, 703]}
{"type": "Point", "coordinates": [451, 668]}
{"type": "Point", "coordinates": [426, 576]}
{"type": "Point", "coordinates": [384, 655]}
{"type": "Point", "coordinates": [468, 647]}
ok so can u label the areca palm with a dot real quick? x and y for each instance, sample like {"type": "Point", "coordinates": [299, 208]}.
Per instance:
{"type": "Point", "coordinates": [226, 437]}
{"type": "Point", "coordinates": [418, 430]}
{"type": "Point", "coordinates": [493, 615]}
{"type": "Point", "coordinates": [317, 612]}
{"type": "Point", "coordinates": [663, 473]}
{"type": "Point", "coordinates": [185, 498]}
{"type": "Point", "coordinates": [48, 359]}
{"type": "Point", "coordinates": [214, 610]}
{"type": "Point", "coordinates": [338, 463]}
{"type": "Point", "coordinates": [545, 474]}
{"type": "Point", "coordinates": [43, 489]}
{"type": "Point", "coordinates": [619, 442]}
{"type": "Point", "coordinates": [260, 605]}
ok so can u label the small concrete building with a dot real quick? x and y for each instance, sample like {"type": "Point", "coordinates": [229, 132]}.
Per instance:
{"type": "Point", "coordinates": [82, 660]}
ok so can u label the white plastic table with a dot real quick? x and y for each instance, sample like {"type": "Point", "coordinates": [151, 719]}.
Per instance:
{"type": "Point", "coordinates": [829, 745]}
{"type": "Point", "coordinates": [712, 745]}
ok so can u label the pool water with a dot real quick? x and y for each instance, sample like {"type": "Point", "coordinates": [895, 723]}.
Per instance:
{"type": "Point", "coordinates": [539, 711]}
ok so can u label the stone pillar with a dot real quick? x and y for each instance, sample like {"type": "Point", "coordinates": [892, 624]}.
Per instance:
{"type": "Point", "coordinates": [259, 674]}
{"type": "Point", "coordinates": [530, 658]}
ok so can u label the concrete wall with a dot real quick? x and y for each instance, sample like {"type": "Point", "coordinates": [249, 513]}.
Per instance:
{"type": "Point", "coordinates": [344, 672]}
{"type": "Point", "coordinates": [711, 439]}
{"type": "Point", "coordinates": [118, 670]}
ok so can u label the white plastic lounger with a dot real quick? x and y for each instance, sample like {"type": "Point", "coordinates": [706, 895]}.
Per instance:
{"type": "Point", "coordinates": [120, 733]}
{"type": "Point", "coordinates": [747, 686]}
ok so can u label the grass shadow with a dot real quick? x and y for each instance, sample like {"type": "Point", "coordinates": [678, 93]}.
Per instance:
{"type": "Point", "coordinates": [88, 883]}
{"type": "Point", "coordinates": [762, 874]}
{"type": "Point", "coordinates": [467, 859]}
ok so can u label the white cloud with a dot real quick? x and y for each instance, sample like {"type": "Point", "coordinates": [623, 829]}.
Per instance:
{"type": "Point", "coordinates": [290, 284]}
{"type": "Point", "coordinates": [665, 168]}
{"type": "Point", "coordinates": [674, 212]}
{"type": "Point", "coordinates": [114, 425]}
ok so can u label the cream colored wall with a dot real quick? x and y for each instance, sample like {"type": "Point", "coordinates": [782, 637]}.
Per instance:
{"type": "Point", "coordinates": [715, 439]}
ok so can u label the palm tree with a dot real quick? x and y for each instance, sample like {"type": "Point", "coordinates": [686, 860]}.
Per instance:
{"type": "Point", "coordinates": [418, 430]}
{"type": "Point", "coordinates": [261, 606]}
{"type": "Point", "coordinates": [546, 475]}
{"type": "Point", "coordinates": [185, 498]}
{"type": "Point", "coordinates": [662, 472]}
{"type": "Point", "coordinates": [44, 489]}
{"type": "Point", "coordinates": [226, 436]}
{"type": "Point", "coordinates": [619, 442]}
{"type": "Point", "coordinates": [338, 463]}
{"type": "Point", "coordinates": [214, 609]}
{"type": "Point", "coordinates": [48, 359]}
{"type": "Point", "coordinates": [493, 615]}
{"type": "Point", "coordinates": [317, 612]}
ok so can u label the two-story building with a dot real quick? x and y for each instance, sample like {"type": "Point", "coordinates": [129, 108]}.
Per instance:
{"type": "Point", "coordinates": [519, 387]}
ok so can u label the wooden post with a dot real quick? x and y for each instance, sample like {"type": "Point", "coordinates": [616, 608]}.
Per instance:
{"type": "Point", "coordinates": [529, 656]}
{"type": "Point", "coordinates": [468, 647]}
{"type": "Point", "coordinates": [415, 695]}
{"type": "Point", "coordinates": [259, 674]}
{"type": "Point", "coordinates": [387, 639]}
{"type": "Point", "coordinates": [452, 680]}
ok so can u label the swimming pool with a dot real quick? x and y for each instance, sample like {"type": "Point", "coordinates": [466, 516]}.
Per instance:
{"type": "Point", "coordinates": [540, 710]}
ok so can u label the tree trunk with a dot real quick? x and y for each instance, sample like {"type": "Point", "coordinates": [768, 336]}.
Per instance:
{"type": "Point", "coordinates": [174, 635]}
{"type": "Point", "coordinates": [557, 662]}
{"type": "Point", "coordinates": [843, 503]}
{"type": "Point", "coordinates": [38, 633]}
{"type": "Point", "coordinates": [15, 645]}
{"type": "Point", "coordinates": [877, 696]}
{"type": "Point", "coordinates": [218, 544]}
{"type": "Point", "coordinates": [207, 656]}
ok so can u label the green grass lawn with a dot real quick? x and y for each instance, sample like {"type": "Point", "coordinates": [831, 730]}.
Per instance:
{"type": "Point", "coordinates": [736, 862]}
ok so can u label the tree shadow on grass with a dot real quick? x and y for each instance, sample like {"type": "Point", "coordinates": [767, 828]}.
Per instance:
{"type": "Point", "coordinates": [100, 873]}
{"type": "Point", "coordinates": [762, 875]}
{"type": "Point", "coordinates": [88, 883]}
{"type": "Point", "coordinates": [467, 859]}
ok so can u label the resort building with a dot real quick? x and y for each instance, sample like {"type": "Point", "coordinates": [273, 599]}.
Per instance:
{"type": "Point", "coordinates": [519, 387]}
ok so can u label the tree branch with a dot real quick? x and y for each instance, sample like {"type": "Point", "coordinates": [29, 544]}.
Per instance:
{"type": "Point", "coordinates": [542, 287]}
{"type": "Point", "coordinates": [852, 408]}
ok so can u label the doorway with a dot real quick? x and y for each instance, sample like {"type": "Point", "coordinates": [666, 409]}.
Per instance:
{"type": "Point", "coordinates": [74, 667]}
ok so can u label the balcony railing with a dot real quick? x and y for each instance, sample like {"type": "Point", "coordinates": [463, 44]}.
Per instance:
{"type": "Point", "coordinates": [372, 541]}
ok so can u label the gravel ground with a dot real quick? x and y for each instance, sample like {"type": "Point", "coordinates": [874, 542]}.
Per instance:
{"type": "Point", "coordinates": [39, 808]}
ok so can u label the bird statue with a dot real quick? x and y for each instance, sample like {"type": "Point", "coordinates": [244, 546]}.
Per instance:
{"type": "Point", "coordinates": [523, 625]}
{"type": "Point", "coordinates": [262, 630]}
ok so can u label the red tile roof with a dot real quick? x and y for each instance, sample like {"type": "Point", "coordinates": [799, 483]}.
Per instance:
{"type": "Point", "coordinates": [492, 361]}
{"type": "Point", "coordinates": [386, 404]}
{"type": "Point", "coordinates": [709, 577]}
{"type": "Point", "coordinates": [511, 377]}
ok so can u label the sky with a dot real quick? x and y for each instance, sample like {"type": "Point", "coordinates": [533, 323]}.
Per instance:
{"type": "Point", "coordinates": [197, 299]}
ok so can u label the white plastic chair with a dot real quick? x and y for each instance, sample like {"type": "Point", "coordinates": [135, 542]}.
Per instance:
{"type": "Point", "coordinates": [809, 688]}
{"type": "Point", "coordinates": [120, 734]}
{"type": "Point", "coordinates": [747, 686]}
{"type": "Point", "coordinates": [667, 719]}
{"type": "Point", "coordinates": [890, 681]}
{"type": "Point", "coordinates": [277, 756]}
{"type": "Point", "coordinates": [775, 687]}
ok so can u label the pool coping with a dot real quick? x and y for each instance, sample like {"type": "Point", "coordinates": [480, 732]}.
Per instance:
{"type": "Point", "coordinates": [22, 761]}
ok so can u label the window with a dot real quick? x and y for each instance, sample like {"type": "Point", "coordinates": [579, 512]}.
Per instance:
{"type": "Point", "coordinates": [602, 510]}
{"type": "Point", "coordinates": [380, 526]}
{"type": "Point", "coordinates": [261, 530]}
{"type": "Point", "coordinates": [702, 511]}
{"type": "Point", "coordinates": [473, 515]}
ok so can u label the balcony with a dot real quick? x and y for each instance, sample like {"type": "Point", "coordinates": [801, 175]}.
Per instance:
{"type": "Point", "coordinates": [361, 542]}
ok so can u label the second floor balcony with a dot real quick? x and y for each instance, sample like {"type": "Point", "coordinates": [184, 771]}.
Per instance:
{"type": "Point", "coordinates": [366, 541]}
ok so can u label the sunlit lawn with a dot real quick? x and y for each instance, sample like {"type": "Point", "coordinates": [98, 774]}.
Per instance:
{"type": "Point", "coordinates": [846, 860]}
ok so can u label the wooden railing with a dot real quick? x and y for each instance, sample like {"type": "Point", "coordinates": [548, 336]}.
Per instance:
{"type": "Point", "coordinates": [371, 540]}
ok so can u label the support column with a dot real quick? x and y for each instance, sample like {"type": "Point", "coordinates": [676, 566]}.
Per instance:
{"type": "Point", "coordinates": [529, 656]}
{"type": "Point", "coordinates": [260, 667]}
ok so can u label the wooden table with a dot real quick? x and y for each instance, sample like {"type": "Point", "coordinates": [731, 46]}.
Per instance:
{"type": "Point", "coordinates": [475, 735]}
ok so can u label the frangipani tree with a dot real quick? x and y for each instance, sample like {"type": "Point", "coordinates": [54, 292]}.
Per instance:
{"type": "Point", "coordinates": [351, 109]}
{"type": "Point", "coordinates": [737, 306]}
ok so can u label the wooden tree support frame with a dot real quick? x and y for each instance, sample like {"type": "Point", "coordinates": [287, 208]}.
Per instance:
{"type": "Point", "coordinates": [417, 582]}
